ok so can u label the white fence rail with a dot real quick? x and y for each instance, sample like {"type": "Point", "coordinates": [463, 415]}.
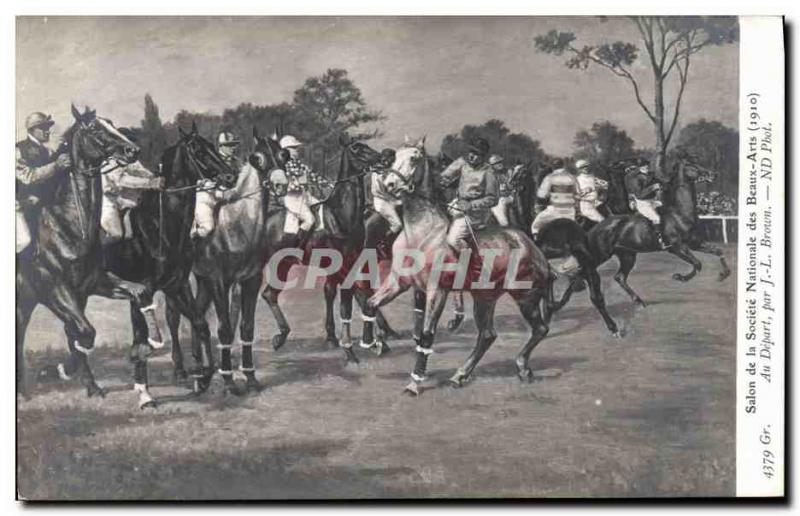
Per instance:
{"type": "Point", "coordinates": [724, 219]}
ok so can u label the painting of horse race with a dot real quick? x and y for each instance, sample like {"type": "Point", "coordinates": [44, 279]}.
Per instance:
{"type": "Point", "coordinates": [376, 258]}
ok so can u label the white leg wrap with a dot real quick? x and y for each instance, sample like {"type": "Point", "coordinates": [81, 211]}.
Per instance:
{"type": "Point", "coordinates": [420, 310]}
{"type": "Point", "coordinates": [247, 369]}
{"type": "Point", "coordinates": [223, 372]}
{"type": "Point", "coordinates": [417, 378]}
{"type": "Point", "coordinates": [424, 351]}
{"type": "Point", "coordinates": [140, 387]}
{"type": "Point", "coordinates": [346, 345]}
{"type": "Point", "coordinates": [224, 346]}
{"type": "Point", "coordinates": [62, 373]}
{"type": "Point", "coordinates": [149, 308]}
{"type": "Point", "coordinates": [85, 351]}
{"type": "Point", "coordinates": [346, 321]}
{"type": "Point", "coordinates": [366, 345]}
{"type": "Point", "coordinates": [156, 344]}
{"type": "Point", "coordinates": [458, 313]}
{"type": "Point", "coordinates": [244, 343]}
{"type": "Point", "coordinates": [367, 318]}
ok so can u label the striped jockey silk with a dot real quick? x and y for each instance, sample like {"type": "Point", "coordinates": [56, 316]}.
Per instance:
{"type": "Point", "coordinates": [560, 187]}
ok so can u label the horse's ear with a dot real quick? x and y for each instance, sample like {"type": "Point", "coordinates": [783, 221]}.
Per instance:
{"type": "Point", "coordinates": [407, 140]}
{"type": "Point", "coordinates": [255, 133]}
{"type": "Point", "coordinates": [75, 113]}
{"type": "Point", "coordinates": [181, 131]}
{"type": "Point", "coordinates": [274, 135]}
{"type": "Point", "coordinates": [421, 142]}
{"type": "Point", "coordinates": [194, 127]}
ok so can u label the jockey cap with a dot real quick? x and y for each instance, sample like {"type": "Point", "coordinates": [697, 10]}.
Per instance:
{"type": "Point", "coordinates": [479, 146]}
{"type": "Point", "coordinates": [38, 119]}
{"type": "Point", "coordinates": [289, 141]}
{"type": "Point", "coordinates": [494, 159]}
{"type": "Point", "coordinates": [227, 139]}
{"type": "Point", "coordinates": [581, 163]}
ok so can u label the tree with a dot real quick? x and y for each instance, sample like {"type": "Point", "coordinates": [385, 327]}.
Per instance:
{"type": "Point", "coordinates": [153, 137]}
{"type": "Point", "coordinates": [670, 42]}
{"type": "Point", "coordinates": [516, 148]}
{"type": "Point", "coordinates": [330, 105]}
{"type": "Point", "coordinates": [604, 143]}
{"type": "Point", "coordinates": [716, 147]}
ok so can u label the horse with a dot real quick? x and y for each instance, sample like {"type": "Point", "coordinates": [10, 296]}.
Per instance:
{"type": "Point", "coordinates": [626, 235]}
{"type": "Point", "coordinates": [425, 226]}
{"type": "Point", "coordinates": [66, 265]}
{"type": "Point", "coordinates": [230, 231]}
{"type": "Point", "coordinates": [343, 208]}
{"type": "Point", "coordinates": [557, 240]}
{"type": "Point", "coordinates": [160, 252]}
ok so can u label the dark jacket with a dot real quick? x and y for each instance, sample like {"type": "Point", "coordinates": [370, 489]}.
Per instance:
{"type": "Point", "coordinates": [641, 186]}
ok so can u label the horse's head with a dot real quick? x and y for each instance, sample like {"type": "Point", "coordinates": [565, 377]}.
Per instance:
{"type": "Point", "coordinates": [267, 153]}
{"type": "Point", "coordinates": [407, 171]}
{"type": "Point", "coordinates": [96, 139]}
{"type": "Point", "coordinates": [359, 154]}
{"type": "Point", "coordinates": [203, 157]}
{"type": "Point", "coordinates": [694, 172]}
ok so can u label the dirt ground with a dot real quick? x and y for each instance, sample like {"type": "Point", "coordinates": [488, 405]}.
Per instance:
{"type": "Point", "coordinates": [648, 415]}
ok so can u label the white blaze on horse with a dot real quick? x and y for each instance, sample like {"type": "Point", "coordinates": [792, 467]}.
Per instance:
{"type": "Point", "coordinates": [518, 268]}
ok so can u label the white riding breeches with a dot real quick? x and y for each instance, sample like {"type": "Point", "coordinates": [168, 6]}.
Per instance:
{"type": "Point", "coordinates": [550, 214]}
{"type": "Point", "coordinates": [22, 230]}
{"type": "Point", "coordinates": [647, 208]}
{"type": "Point", "coordinates": [297, 203]}
{"type": "Point", "coordinates": [500, 210]}
{"type": "Point", "coordinates": [588, 209]}
{"type": "Point", "coordinates": [388, 211]}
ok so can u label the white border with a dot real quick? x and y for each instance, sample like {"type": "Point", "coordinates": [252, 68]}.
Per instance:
{"type": "Point", "coordinates": [759, 434]}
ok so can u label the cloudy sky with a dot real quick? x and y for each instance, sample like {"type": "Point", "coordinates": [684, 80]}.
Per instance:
{"type": "Point", "coordinates": [428, 75]}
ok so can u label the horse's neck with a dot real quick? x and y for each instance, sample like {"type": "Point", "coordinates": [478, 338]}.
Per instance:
{"type": "Point", "coordinates": [683, 197]}
{"type": "Point", "coordinates": [422, 218]}
{"type": "Point", "coordinates": [347, 201]}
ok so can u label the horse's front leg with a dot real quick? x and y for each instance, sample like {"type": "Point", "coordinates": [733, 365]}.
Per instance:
{"type": "Point", "coordinates": [111, 286]}
{"type": "Point", "coordinates": [249, 298]}
{"type": "Point", "coordinates": [330, 290]}
{"type": "Point", "coordinates": [270, 295]}
{"type": "Point", "coordinates": [708, 248]}
{"type": "Point", "coordinates": [219, 294]}
{"type": "Point", "coordinates": [436, 299]}
{"type": "Point", "coordinates": [458, 312]}
{"type": "Point", "coordinates": [139, 353]}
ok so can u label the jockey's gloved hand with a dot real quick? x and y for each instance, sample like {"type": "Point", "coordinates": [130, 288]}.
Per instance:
{"type": "Point", "coordinates": [63, 161]}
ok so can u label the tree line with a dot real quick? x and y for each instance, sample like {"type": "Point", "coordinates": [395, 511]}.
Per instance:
{"type": "Point", "coordinates": [328, 105]}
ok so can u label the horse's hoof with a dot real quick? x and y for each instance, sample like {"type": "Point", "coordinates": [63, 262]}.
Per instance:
{"type": "Point", "coordinates": [680, 277]}
{"type": "Point", "coordinates": [617, 334]}
{"type": "Point", "coordinates": [525, 375]}
{"type": "Point", "coordinates": [278, 341]}
{"type": "Point", "coordinates": [413, 388]}
{"type": "Point", "coordinates": [150, 404]}
{"type": "Point", "coordinates": [93, 390]}
{"type": "Point", "coordinates": [457, 381]}
{"type": "Point", "coordinates": [330, 342]}
{"type": "Point", "coordinates": [252, 385]}
{"type": "Point", "coordinates": [48, 374]}
{"type": "Point", "coordinates": [455, 323]}
{"type": "Point", "coordinates": [380, 348]}
{"type": "Point", "coordinates": [232, 389]}
{"type": "Point", "coordinates": [350, 357]}
{"type": "Point", "coordinates": [640, 303]}
{"type": "Point", "coordinates": [723, 276]}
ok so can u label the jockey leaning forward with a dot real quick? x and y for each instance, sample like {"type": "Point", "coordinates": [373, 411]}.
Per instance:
{"type": "Point", "coordinates": [589, 188]}
{"type": "Point", "coordinates": [644, 195]}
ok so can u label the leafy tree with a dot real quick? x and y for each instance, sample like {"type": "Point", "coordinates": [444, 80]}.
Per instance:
{"type": "Point", "coordinates": [669, 42]}
{"type": "Point", "coordinates": [714, 146]}
{"type": "Point", "coordinates": [330, 105]}
{"type": "Point", "coordinates": [516, 148]}
{"type": "Point", "coordinates": [152, 136]}
{"type": "Point", "coordinates": [604, 143]}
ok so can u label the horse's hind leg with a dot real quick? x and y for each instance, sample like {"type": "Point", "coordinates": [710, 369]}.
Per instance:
{"type": "Point", "coordinates": [219, 294]}
{"type": "Point", "coordinates": [708, 248]}
{"type": "Point", "coordinates": [458, 312]}
{"type": "Point", "coordinates": [249, 293]}
{"type": "Point", "coordinates": [203, 371]}
{"type": "Point", "coordinates": [529, 307]}
{"type": "Point", "coordinates": [330, 290]}
{"type": "Point", "coordinates": [139, 353]}
{"type": "Point", "coordinates": [483, 311]}
{"type": "Point", "coordinates": [182, 302]}
{"type": "Point", "coordinates": [173, 317]}
{"type": "Point", "coordinates": [598, 300]}
{"type": "Point", "coordinates": [23, 316]}
{"type": "Point", "coordinates": [627, 261]}
{"type": "Point", "coordinates": [384, 329]}
{"type": "Point", "coordinates": [435, 301]}
{"type": "Point", "coordinates": [682, 251]}
{"type": "Point", "coordinates": [270, 295]}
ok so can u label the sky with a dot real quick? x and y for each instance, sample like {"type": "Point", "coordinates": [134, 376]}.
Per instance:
{"type": "Point", "coordinates": [429, 76]}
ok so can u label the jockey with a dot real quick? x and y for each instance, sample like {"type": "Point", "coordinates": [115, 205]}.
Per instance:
{"type": "Point", "coordinates": [644, 195]}
{"type": "Point", "coordinates": [589, 187]}
{"type": "Point", "coordinates": [227, 145]}
{"type": "Point", "coordinates": [122, 186]}
{"type": "Point", "coordinates": [477, 194]}
{"type": "Point", "coordinates": [297, 199]}
{"type": "Point", "coordinates": [384, 203]}
{"type": "Point", "coordinates": [504, 190]}
{"type": "Point", "coordinates": [560, 188]}
{"type": "Point", "coordinates": [35, 164]}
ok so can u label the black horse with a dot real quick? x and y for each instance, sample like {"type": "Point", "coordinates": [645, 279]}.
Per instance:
{"type": "Point", "coordinates": [66, 265]}
{"type": "Point", "coordinates": [344, 208]}
{"type": "Point", "coordinates": [626, 235]}
{"type": "Point", "coordinates": [160, 253]}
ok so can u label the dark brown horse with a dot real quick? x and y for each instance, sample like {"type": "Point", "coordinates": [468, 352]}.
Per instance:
{"type": "Point", "coordinates": [66, 266]}
{"type": "Point", "coordinates": [343, 209]}
{"type": "Point", "coordinates": [161, 253]}
{"type": "Point", "coordinates": [627, 235]}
